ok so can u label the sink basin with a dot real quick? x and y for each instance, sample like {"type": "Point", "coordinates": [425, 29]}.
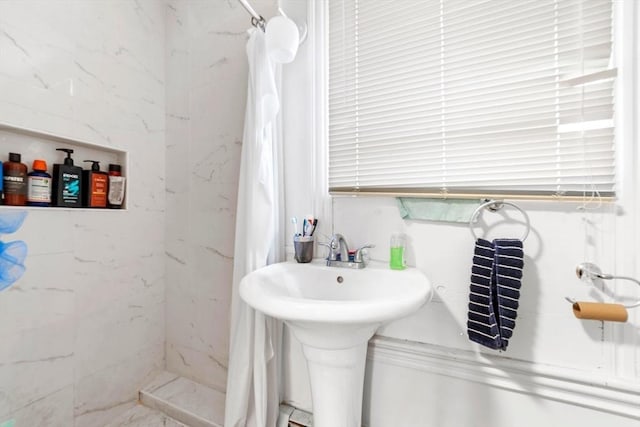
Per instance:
{"type": "Point", "coordinates": [334, 312]}
{"type": "Point", "coordinates": [317, 293]}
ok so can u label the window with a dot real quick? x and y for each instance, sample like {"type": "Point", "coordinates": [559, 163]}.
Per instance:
{"type": "Point", "coordinates": [462, 96]}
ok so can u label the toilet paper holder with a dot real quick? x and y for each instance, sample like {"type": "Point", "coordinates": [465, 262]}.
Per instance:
{"type": "Point", "coordinates": [590, 271]}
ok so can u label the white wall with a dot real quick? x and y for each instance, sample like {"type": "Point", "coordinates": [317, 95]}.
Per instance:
{"type": "Point", "coordinates": [422, 370]}
{"type": "Point", "coordinates": [83, 329]}
{"type": "Point", "coordinates": [206, 95]}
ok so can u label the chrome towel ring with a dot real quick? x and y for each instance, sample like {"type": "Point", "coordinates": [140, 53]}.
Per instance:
{"type": "Point", "coordinates": [494, 206]}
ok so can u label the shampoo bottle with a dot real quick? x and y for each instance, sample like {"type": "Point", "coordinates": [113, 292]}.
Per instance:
{"type": "Point", "coordinates": [67, 183]}
{"type": "Point", "coordinates": [116, 187]}
{"type": "Point", "coordinates": [95, 184]}
{"type": "Point", "coordinates": [15, 181]}
{"type": "Point", "coordinates": [39, 185]}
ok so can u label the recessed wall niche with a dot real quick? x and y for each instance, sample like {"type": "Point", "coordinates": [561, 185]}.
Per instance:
{"type": "Point", "coordinates": [34, 144]}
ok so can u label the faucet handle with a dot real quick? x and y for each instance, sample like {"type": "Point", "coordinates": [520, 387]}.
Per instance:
{"type": "Point", "coordinates": [358, 255]}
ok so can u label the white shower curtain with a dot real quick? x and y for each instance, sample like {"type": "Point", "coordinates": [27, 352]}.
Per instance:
{"type": "Point", "coordinates": [252, 383]}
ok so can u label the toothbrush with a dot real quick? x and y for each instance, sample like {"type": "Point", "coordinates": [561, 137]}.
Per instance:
{"type": "Point", "coordinates": [294, 221]}
{"type": "Point", "coordinates": [308, 224]}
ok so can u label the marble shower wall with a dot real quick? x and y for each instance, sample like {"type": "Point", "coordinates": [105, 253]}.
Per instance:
{"type": "Point", "coordinates": [83, 329]}
{"type": "Point", "coordinates": [206, 94]}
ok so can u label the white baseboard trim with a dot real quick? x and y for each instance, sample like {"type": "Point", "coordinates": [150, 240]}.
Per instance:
{"type": "Point", "coordinates": [571, 386]}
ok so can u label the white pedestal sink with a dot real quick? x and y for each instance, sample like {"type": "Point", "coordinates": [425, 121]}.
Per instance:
{"type": "Point", "coordinates": [334, 312]}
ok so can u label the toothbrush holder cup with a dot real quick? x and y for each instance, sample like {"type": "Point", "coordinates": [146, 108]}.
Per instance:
{"type": "Point", "coordinates": [303, 248]}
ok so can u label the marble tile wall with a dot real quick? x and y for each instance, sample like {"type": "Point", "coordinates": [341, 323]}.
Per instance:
{"type": "Point", "coordinates": [83, 330]}
{"type": "Point", "coordinates": [206, 95]}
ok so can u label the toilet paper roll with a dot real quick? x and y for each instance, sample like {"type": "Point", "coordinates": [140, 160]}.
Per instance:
{"type": "Point", "coordinates": [600, 311]}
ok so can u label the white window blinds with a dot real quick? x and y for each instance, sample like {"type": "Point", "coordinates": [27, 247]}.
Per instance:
{"type": "Point", "coordinates": [471, 96]}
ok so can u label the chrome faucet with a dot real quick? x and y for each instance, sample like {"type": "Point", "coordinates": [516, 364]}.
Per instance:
{"type": "Point", "coordinates": [338, 246]}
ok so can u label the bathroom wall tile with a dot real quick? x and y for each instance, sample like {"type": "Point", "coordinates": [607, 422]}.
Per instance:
{"type": "Point", "coordinates": [128, 324]}
{"type": "Point", "coordinates": [197, 351]}
{"type": "Point", "coordinates": [206, 165]}
{"type": "Point", "coordinates": [178, 176]}
{"type": "Point", "coordinates": [210, 124]}
{"type": "Point", "coordinates": [177, 273]}
{"type": "Point", "coordinates": [204, 15]}
{"type": "Point", "coordinates": [85, 324]}
{"type": "Point", "coordinates": [53, 409]}
{"type": "Point", "coordinates": [104, 393]}
{"type": "Point", "coordinates": [37, 330]}
{"type": "Point", "coordinates": [53, 298]}
{"type": "Point", "coordinates": [214, 66]}
{"type": "Point", "coordinates": [194, 320]}
{"type": "Point", "coordinates": [178, 224]}
{"type": "Point", "coordinates": [38, 223]}
{"type": "Point", "coordinates": [201, 208]}
{"type": "Point", "coordinates": [179, 316]}
{"type": "Point", "coordinates": [177, 106]}
{"type": "Point", "coordinates": [25, 381]}
{"type": "Point", "coordinates": [50, 337]}
{"type": "Point", "coordinates": [217, 169]}
{"type": "Point", "coordinates": [211, 265]}
{"type": "Point", "coordinates": [219, 237]}
{"type": "Point", "coordinates": [209, 321]}
{"type": "Point", "coordinates": [79, 73]}
{"type": "Point", "coordinates": [198, 366]}
{"type": "Point", "coordinates": [177, 23]}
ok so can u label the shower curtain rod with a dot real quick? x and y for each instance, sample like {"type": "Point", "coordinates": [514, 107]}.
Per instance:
{"type": "Point", "coordinates": [256, 20]}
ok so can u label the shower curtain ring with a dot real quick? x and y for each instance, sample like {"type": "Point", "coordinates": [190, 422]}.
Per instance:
{"type": "Point", "coordinates": [258, 22]}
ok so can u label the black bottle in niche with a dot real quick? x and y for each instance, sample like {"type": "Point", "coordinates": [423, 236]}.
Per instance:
{"type": "Point", "coordinates": [67, 183]}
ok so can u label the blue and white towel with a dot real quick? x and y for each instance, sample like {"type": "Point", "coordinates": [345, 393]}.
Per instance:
{"type": "Point", "coordinates": [495, 289]}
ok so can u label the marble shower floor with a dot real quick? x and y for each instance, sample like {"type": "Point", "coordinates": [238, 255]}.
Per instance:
{"type": "Point", "coordinates": [141, 416]}
{"type": "Point", "coordinates": [173, 401]}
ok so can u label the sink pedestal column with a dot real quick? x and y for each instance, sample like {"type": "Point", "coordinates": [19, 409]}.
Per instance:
{"type": "Point", "coordinates": [336, 357]}
{"type": "Point", "coordinates": [337, 380]}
